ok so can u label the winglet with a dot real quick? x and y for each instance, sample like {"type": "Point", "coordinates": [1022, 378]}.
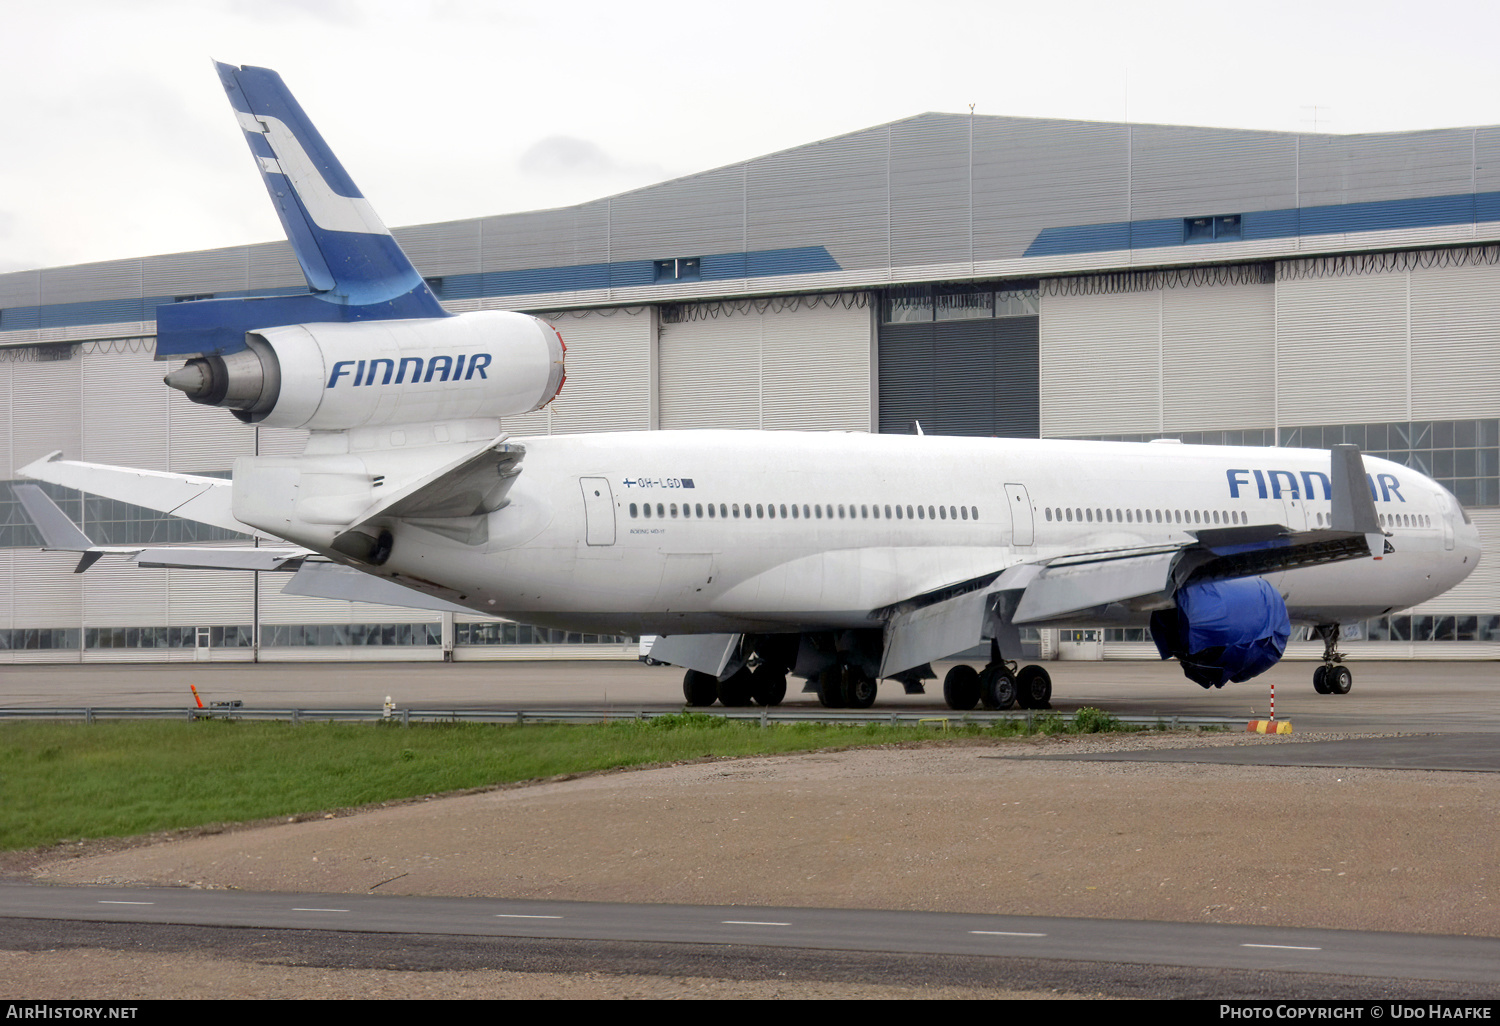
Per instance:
{"type": "Point", "coordinates": [57, 531]}
{"type": "Point", "coordinates": [1353, 505]}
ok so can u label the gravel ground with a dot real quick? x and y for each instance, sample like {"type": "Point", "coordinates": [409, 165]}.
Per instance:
{"type": "Point", "coordinates": [973, 827]}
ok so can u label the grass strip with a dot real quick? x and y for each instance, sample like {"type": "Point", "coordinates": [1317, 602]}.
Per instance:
{"type": "Point", "coordinates": [71, 781]}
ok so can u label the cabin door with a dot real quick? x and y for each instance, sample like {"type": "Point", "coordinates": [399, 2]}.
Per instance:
{"type": "Point", "coordinates": [598, 510]}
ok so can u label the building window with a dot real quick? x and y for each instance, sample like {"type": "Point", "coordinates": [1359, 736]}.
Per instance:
{"type": "Point", "coordinates": [1219, 228]}
{"type": "Point", "coordinates": [679, 269]}
{"type": "Point", "coordinates": [920, 304]}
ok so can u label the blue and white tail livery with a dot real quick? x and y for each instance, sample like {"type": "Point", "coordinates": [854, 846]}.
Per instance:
{"type": "Point", "coordinates": [355, 269]}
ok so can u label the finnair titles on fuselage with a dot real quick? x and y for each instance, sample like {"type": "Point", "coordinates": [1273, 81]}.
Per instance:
{"type": "Point", "coordinates": [843, 559]}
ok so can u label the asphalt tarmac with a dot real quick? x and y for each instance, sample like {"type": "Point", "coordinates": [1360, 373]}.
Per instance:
{"type": "Point", "coordinates": [1395, 696]}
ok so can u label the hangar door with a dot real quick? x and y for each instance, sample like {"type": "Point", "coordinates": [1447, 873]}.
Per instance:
{"type": "Point", "coordinates": [961, 362]}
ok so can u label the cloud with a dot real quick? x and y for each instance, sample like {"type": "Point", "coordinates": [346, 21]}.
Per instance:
{"type": "Point", "coordinates": [568, 155]}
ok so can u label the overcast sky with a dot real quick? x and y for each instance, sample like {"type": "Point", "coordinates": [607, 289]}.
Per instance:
{"type": "Point", "coordinates": [119, 142]}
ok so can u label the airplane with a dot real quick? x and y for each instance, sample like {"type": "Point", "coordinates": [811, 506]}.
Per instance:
{"type": "Point", "coordinates": [844, 559]}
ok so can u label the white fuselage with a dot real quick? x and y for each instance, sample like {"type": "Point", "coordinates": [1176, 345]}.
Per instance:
{"type": "Point", "coordinates": [788, 531]}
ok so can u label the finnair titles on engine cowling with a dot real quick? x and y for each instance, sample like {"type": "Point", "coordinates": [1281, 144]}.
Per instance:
{"type": "Point", "coordinates": [841, 559]}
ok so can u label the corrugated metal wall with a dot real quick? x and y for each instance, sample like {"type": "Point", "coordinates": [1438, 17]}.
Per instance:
{"type": "Point", "coordinates": [804, 368]}
{"type": "Point", "coordinates": [1341, 349]}
{"type": "Point", "coordinates": [609, 383]}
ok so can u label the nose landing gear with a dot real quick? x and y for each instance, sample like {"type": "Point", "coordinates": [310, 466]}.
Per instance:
{"type": "Point", "coordinates": [1333, 677]}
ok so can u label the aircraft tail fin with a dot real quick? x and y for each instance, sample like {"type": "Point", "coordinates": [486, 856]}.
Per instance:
{"type": "Point", "coordinates": [352, 263]}
{"type": "Point", "coordinates": [344, 248]}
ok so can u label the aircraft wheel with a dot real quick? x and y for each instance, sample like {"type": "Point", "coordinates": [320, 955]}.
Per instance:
{"type": "Point", "coordinates": [1320, 680]}
{"type": "Point", "coordinates": [1034, 685]}
{"type": "Point", "coordinates": [1339, 680]}
{"type": "Point", "coordinates": [961, 688]}
{"type": "Point", "coordinates": [735, 690]}
{"type": "Point", "coordinates": [767, 685]}
{"type": "Point", "coordinates": [699, 689]}
{"type": "Point", "coordinates": [831, 688]}
{"type": "Point", "coordinates": [997, 688]}
{"type": "Point", "coordinates": [859, 690]}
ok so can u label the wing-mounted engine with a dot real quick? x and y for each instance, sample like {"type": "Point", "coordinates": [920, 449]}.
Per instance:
{"type": "Point", "coordinates": [333, 376]}
{"type": "Point", "coordinates": [1225, 630]}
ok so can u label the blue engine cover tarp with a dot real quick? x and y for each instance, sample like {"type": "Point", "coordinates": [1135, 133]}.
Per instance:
{"type": "Point", "coordinates": [1223, 630]}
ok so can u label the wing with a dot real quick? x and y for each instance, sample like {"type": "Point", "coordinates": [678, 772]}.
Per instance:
{"type": "Point", "coordinates": [1120, 583]}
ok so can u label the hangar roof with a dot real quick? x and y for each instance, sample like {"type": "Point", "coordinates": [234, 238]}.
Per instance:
{"type": "Point", "coordinates": [935, 197]}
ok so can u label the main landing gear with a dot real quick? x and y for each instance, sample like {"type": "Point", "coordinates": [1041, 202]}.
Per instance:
{"type": "Point", "coordinates": [846, 686]}
{"type": "Point", "coordinates": [1333, 677]}
{"type": "Point", "coordinates": [998, 686]}
{"type": "Point", "coordinates": [764, 685]}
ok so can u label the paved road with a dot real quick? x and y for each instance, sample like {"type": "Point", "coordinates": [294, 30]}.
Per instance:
{"type": "Point", "coordinates": [1471, 753]}
{"type": "Point", "coordinates": [1387, 696]}
{"type": "Point", "coordinates": [1407, 957]}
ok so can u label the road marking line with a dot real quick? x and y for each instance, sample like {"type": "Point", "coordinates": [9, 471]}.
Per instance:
{"type": "Point", "coordinates": [1005, 933]}
{"type": "Point", "coordinates": [1281, 947]}
{"type": "Point", "coordinates": [749, 922]}
{"type": "Point", "coordinates": [320, 910]}
{"type": "Point", "coordinates": [517, 915]}
{"type": "Point", "coordinates": [103, 902]}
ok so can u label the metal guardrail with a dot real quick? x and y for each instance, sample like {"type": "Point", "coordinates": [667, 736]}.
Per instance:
{"type": "Point", "coordinates": [764, 716]}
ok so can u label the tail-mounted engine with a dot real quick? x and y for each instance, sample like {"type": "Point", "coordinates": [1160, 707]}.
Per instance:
{"type": "Point", "coordinates": [335, 376]}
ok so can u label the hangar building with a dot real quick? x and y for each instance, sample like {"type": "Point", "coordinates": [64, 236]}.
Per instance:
{"type": "Point", "coordinates": [980, 275]}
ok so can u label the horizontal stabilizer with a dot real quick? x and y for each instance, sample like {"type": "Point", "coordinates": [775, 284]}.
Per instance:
{"type": "Point", "coordinates": [187, 557]}
{"type": "Point", "coordinates": [329, 580]}
{"type": "Point", "coordinates": [204, 500]}
{"type": "Point", "coordinates": [60, 533]}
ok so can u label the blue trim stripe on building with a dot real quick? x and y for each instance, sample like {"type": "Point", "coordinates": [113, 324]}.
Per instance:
{"type": "Point", "coordinates": [1259, 225]}
{"type": "Point", "coordinates": [766, 263]}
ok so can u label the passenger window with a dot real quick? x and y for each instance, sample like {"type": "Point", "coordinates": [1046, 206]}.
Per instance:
{"type": "Point", "coordinates": [724, 513]}
{"type": "Point", "coordinates": [898, 512]}
{"type": "Point", "coordinates": [908, 512]}
{"type": "Point", "coordinates": [648, 510]}
{"type": "Point", "coordinates": [921, 513]}
{"type": "Point", "coordinates": [661, 510]}
{"type": "Point", "coordinates": [633, 511]}
{"type": "Point", "coordinates": [975, 511]}
{"type": "Point", "coordinates": [710, 511]}
{"type": "Point", "coordinates": [760, 511]}
{"type": "Point", "coordinates": [795, 512]}
{"type": "Point", "coordinates": [942, 512]}
{"type": "Point", "coordinates": [965, 510]}
{"type": "Point", "coordinates": [783, 511]}
{"type": "Point", "coordinates": [888, 512]}
{"type": "Point", "coordinates": [1090, 514]}
{"type": "Point", "coordinates": [674, 509]}
{"type": "Point", "coordinates": [864, 512]}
